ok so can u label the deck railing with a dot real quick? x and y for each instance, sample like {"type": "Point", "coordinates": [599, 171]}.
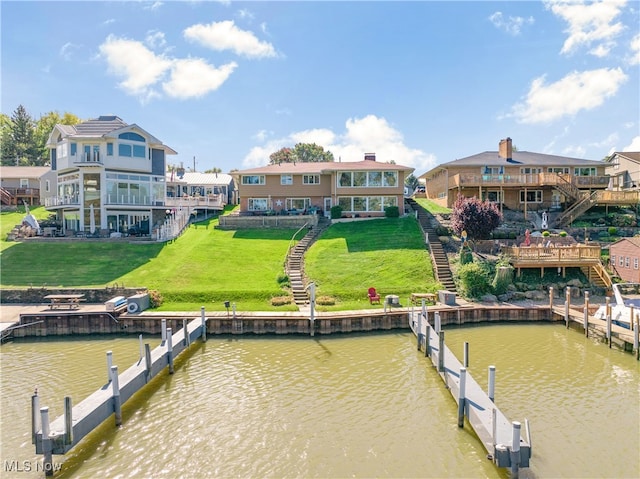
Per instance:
{"type": "Point", "coordinates": [555, 254]}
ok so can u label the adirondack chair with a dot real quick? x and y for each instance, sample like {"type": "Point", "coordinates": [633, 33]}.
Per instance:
{"type": "Point", "coordinates": [374, 297]}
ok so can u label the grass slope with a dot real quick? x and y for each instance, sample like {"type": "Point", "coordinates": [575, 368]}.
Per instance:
{"type": "Point", "coordinates": [206, 266]}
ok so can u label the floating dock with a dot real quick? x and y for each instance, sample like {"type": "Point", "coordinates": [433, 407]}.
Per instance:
{"type": "Point", "coordinates": [501, 438]}
{"type": "Point", "coordinates": [64, 433]}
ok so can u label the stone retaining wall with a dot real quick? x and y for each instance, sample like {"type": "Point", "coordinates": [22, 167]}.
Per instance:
{"type": "Point", "coordinates": [36, 295]}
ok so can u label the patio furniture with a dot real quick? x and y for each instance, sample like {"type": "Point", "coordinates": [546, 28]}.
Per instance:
{"type": "Point", "coordinates": [374, 297]}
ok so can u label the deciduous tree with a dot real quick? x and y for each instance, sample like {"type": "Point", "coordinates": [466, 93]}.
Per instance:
{"type": "Point", "coordinates": [477, 218]}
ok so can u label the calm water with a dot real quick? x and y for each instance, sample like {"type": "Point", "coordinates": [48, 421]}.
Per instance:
{"type": "Point", "coordinates": [342, 406]}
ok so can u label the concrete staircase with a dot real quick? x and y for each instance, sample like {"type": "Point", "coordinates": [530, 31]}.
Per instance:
{"type": "Point", "coordinates": [439, 257]}
{"type": "Point", "coordinates": [294, 265]}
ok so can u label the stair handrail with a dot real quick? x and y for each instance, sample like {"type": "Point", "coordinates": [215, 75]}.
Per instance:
{"type": "Point", "coordinates": [306, 225]}
{"type": "Point", "coordinates": [574, 209]}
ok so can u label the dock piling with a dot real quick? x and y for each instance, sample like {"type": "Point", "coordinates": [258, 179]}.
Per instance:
{"type": "Point", "coordinates": [170, 349]}
{"type": "Point", "coordinates": [461, 396]}
{"type": "Point", "coordinates": [109, 364]}
{"type": "Point", "coordinates": [608, 301]}
{"type": "Point", "coordinates": [204, 324]}
{"type": "Point", "coordinates": [35, 417]}
{"type": "Point", "coordinates": [164, 330]}
{"type": "Point", "coordinates": [515, 450]}
{"type": "Point", "coordinates": [47, 455]}
{"type": "Point", "coordinates": [117, 406]}
{"type": "Point", "coordinates": [551, 297]}
{"type": "Point", "coordinates": [586, 314]}
{"type": "Point", "coordinates": [437, 324]}
{"type": "Point", "coordinates": [465, 355]}
{"type": "Point", "coordinates": [441, 351]}
{"type": "Point", "coordinates": [635, 336]}
{"type": "Point", "coordinates": [141, 348]}
{"type": "Point", "coordinates": [492, 383]}
{"type": "Point", "coordinates": [419, 334]}
{"type": "Point", "coordinates": [186, 339]}
{"type": "Point", "coordinates": [567, 305]}
{"type": "Point", "coordinates": [147, 359]}
{"type": "Point", "coordinates": [68, 421]}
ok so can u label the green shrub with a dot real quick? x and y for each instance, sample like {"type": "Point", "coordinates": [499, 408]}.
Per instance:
{"type": "Point", "coordinates": [473, 280]}
{"type": "Point", "coordinates": [155, 298]}
{"type": "Point", "coordinates": [612, 230]}
{"type": "Point", "coordinates": [466, 256]}
{"type": "Point", "coordinates": [443, 231]}
{"type": "Point", "coordinates": [546, 234]}
{"type": "Point", "coordinates": [391, 211]}
{"type": "Point", "coordinates": [283, 280]}
{"type": "Point", "coordinates": [336, 212]}
{"type": "Point", "coordinates": [562, 234]}
{"type": "Point", "coordinates": [325, 301]}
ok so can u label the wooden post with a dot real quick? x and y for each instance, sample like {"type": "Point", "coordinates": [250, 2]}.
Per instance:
{"type": "Point", "coordinates": [47, 459]}
{"type": "Point", "coordinates": [461, 396]}
{"type": "Point", "coordinates": [117, 406]}
{"type": "Point", "coordinates": [492, 383]}
{"type": "Point", "coordinates": [636, 336]}
{"type": "Point", "coordinates": [204, 324]}
{"type": "Point", "coordinates": [141, 348]}
{"type": "Point", "coordinates": [551, 297]}
{"type": "Point", "coordinates": [68, 421]}
{"type": "Point", "coordinates": [427, 340]}
{"type": "Point", "coordinates": [608, 318]}
{"type": "Point", "coordinates": [419, 327]}
{"type": "Point", "coordinates": [170, 349]}
{"type": "Point", "coordinates": [631, 316]}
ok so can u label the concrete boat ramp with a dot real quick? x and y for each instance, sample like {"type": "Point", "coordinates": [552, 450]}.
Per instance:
{"type": "Point", "coordinates": [501, 438]}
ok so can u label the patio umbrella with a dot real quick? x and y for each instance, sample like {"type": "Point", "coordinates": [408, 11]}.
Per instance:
{"type": "Point", "coordinates": [92, 219]}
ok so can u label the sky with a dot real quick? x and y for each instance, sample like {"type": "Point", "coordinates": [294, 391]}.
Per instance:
{"type": "Point", "coordinates": [420, 83]}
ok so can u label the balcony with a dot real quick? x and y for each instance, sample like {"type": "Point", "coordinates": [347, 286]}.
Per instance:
{"type": "Point", "coordinates": [216, 201]}
{"type": "Point", "coordinates": [534, 180]}
{"type": "Point", "coordinates": [67, 200]}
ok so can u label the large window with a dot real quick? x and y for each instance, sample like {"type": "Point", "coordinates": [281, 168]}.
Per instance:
{"type": "Point", "coordinates": [298, 203]}
{"type": "Point", "coordinates": [253, 179]}
{"type": "Point", "coordinates": [134, 189]}
{"type": "Point", "coordinates": [584, 171]}
{"type": "Point", "coordinates": [561, 170]}
{"type": "Point", "coordinates": [529, 170]}
{"type": "Point", "coordinates": [286, 179]}
{"type": "Point", "coordinates": [132, 145]}
{"type": "Point", "coordinates": [496, 196]}
{"type": "Point", "coordinates": [257, 204]}
{"type": "Point", "coordinates": [370, 179]}
{"type": "Point", "coordinates": [532, 196]}
{"type": "Point", "coordinates": [310, 179]}
{"type": "Point", "coordinates": [364, 204]}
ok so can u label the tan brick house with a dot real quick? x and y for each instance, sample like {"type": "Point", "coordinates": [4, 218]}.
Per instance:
{"type": "Point", "coordinates": [361, 188]}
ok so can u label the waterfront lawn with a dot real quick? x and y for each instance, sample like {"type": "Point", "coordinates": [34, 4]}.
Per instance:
{"type": "Point", "coordinates": [432, 207]}
{"type": "Point", "coordinates": [388, 254]}
{"type": "Point", "coordinates": [10, 219]}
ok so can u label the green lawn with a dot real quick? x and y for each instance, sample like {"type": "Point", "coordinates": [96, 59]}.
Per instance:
{"type": "Point", "coordinates": [432, 207]}
{"type": "Point", "coordinates": [207, 266]}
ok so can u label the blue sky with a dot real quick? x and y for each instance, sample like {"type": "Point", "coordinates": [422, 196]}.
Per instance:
{"type": "Point", "coordinates": [419, 83]}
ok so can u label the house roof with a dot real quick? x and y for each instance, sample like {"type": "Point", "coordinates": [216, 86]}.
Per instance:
{"type": "Point", "coordinates": [634, 240]}
{"type": "Point", "coordinates": [204, 179]}
{"type": "Point", "coordinates": [629, 155]}
{"type": "Point", "coordinates": [23, 171]}
{"type": "Point", "coordinates": [324, 167]}
{"type": "Point", "coordinates": [519, 158]}
{"type": "Point", "coordinates": [102, 127]}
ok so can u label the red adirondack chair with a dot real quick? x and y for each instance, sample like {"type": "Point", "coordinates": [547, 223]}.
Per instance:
{"type": "Point", "coordinates": [373, 296]}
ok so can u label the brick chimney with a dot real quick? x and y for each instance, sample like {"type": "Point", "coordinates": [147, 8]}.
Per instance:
{"type": "Point", "coordinates": [505, 149]}
{"type": "Point", "coordinates": [370, 156]}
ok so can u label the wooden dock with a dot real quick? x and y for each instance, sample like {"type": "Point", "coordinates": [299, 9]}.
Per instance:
{"type": "Point", "coordinates": [500, 437]}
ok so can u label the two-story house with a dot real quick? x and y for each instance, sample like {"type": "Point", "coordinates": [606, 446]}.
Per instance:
{"type": "Point", "coordinates": [23, 184]}
{"type": "Point", "coordinates": [624, 167]}
{"type": "Point", "coordinates": [525, 181]}
{"type": "Point", "coordinates": [110, 176]}
{"type": "Point", "coordinates": [362, 188]}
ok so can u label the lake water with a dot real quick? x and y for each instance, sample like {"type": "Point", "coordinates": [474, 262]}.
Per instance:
{"type": "Point", "coordinates": [366, 405]}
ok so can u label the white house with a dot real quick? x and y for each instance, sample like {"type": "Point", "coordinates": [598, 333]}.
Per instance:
{"type": "Point", "coordinates": [110, 177]}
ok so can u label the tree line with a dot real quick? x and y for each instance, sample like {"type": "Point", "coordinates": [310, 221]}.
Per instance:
{"type": "Point", "coordinates": [23, 138]}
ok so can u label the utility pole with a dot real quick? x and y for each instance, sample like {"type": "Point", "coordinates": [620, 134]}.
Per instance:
{"type": "Point", "coordinates": [194, 164]}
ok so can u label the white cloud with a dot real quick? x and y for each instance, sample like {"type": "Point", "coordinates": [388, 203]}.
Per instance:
{"type": "Point", "coordinates": [155, 39]}
{"type": "Point", "coordinates": [140, 67]}
{"type": "Point", "coordinates": [193, 77]}
{"type": "Point", "coordinates": [589, 23]}
{"type": "Point", "coordinates": [153, 6]}
{"type": "Point", "coordinates": [245, 14]}
{"type": "Point", "coordinates": [575, 92]}
{"type": "Point", "coordinates": [145, 71]}
{"type": "Point", "coordinates": [634, 46]}
{"type": "Point", "coordinates": [67, 50]}
{"type": "Point", "coordinates": [361, 135]}
{"type": "Point", "coordinates": [634, 145]}
{"type": "Point", "coordinates": [225, 35]}
{"type": "Point", "coordinates": [511, 25]}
